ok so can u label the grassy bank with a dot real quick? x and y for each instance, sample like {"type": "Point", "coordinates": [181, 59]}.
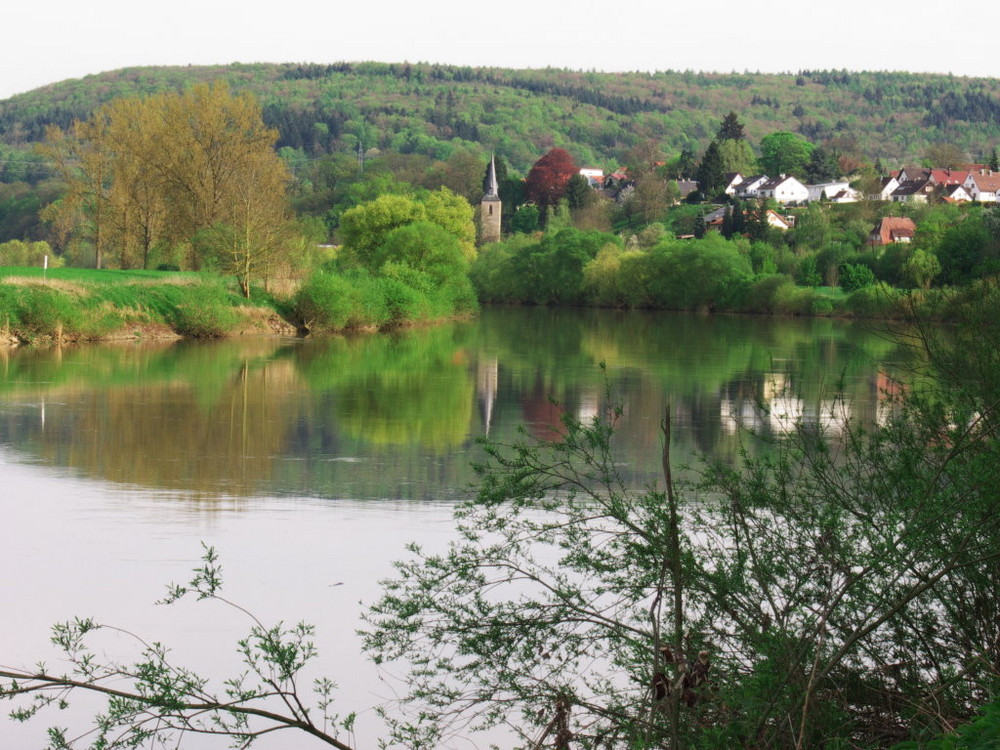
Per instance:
{"type": "Point", "coordinates": [72, 304]}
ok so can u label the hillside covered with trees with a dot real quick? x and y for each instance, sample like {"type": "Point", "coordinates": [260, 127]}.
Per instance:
{"type": "Point", "coordinates": [436, 109]}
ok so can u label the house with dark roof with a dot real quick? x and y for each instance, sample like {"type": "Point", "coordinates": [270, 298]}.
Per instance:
{"type": "Point", "coordinates": [913, 191]}
{"type": "Point", "coordinates": [686, 187]}
{"type": "Point", "coordinates": [749, 187]}
{"type": "Point", "coordinates": [892, 229]}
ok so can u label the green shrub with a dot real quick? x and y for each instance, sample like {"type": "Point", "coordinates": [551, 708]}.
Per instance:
{"type": "Point", "coordinates": [793, 300]}
{"type": "Point", "coordinates": [28, 254]}
{"type": "Point", "coordinates": [324, 302]}
{"type": "Point", "coordinates": [854, 276]}
{"type": "Point", "coordinates": [761, 294]}
{"type": "Point", "coordinates": [877, 301]}
{"type": "Point", "coordinates": [204, 312]}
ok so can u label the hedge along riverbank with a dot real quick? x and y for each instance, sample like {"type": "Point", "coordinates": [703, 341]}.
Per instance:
{"type": "Point", "coordinates": [87, 305]}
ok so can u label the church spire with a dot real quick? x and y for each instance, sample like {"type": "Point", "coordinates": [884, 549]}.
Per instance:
{"type": "Point", "coordinates": [489, 207]}
{"type": "Point", "coordinates": [492, 189]}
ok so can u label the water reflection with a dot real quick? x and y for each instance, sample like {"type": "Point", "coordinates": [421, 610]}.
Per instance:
{"type": "Point", "coordinates": [396, 416]}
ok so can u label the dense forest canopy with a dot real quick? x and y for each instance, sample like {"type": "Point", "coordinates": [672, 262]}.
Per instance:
{"type": "Point", "coordinates": [598, 117]}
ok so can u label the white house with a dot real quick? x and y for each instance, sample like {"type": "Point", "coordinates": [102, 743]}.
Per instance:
{"type": "Point", "coordinates": [749, 187]}
{"type": "Point", "coordinates": [733, 179]}
{"type": "Point", "coordinates": [957, 194]}
{"type": "Point", "coordinates": [595, 177]}
{"type": "Point", "coordinates": [784, 189]}
{"type": "Point", "coordinates": [778, 221]}
{"type": "Point", "coordinates": [913, 191]}
{"type": "Point", "coordinates": [889, 186]}
{"type": "Point", "coordinates": [828, 190]}
{"type": "Point", "coordinates": [983, 185]}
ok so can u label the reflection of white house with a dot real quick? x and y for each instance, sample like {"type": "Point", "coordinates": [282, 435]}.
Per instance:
{"type": "Point", "coordinates": [742, 414]}
{"type": "Point", "coordinates": [784, 189]}
{"type": "Point", "coordinates": [833, 416]}
{"type": "Point", "coordinates": [590, 407]}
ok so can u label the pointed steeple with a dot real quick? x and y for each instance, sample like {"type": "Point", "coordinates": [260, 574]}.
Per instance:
{"type": "Point", "coordinates": [489, 207]}
{"type": "Point", "coordinates": [492, 189]}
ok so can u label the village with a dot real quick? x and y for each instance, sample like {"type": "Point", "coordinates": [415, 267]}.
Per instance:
{"type": "Point", "coordinates": [969, 183]}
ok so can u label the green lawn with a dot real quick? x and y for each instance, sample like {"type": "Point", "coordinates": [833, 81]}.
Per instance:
{"type": "Point", "coordinates": [103, 276]}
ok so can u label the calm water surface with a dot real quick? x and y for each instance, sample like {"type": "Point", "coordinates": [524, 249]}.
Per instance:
{"type": "Point", "coordinates": [309, 464]}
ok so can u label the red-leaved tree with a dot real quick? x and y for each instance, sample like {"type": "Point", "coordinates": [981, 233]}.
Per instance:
{"type": "Point", "coordinates": [547, 180]}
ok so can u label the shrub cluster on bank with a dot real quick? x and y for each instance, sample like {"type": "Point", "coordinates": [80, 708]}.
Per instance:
{"type": "Point", "coordinates": [597, 269]}
{"type": "Point", "coordinates": [357, 300]}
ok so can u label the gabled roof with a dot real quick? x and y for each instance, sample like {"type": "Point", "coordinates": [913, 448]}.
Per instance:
{"type": "Point", "coordinates": [986, 181]}
{"type": "Point", "coordinates": [777, 220]}
{"type": "Point", "coordinates": [776, 182]}
{"type": "Point", "coordinates": [716, 216]}
{"type": "Point", "coordinates": [912, 187]}
{"type": "Point", "coordinates": [892, 229]}
{"type": "Point", "coordinates": [687, 187]}
{"type": "Point", "coordinates": [949, 176]}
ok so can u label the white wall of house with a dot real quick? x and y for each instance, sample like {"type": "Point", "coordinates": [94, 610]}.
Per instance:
{"type": "Point", "coordinates": [826, 190]}
{"type": "Point", "coordinates": [890, 186]}
{"type": "Point", "coordinates": [790, 191]}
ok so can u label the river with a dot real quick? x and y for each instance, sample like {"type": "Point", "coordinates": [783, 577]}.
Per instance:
{"type": "Point", "coordinates": [309, 464]}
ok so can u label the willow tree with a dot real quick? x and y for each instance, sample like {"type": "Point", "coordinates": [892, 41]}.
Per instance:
{"type": "Point", "coordinates": [195, 170]}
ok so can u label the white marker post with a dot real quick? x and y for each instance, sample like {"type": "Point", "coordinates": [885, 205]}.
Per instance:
{"type": "Point", "coordinates": [45, 268]}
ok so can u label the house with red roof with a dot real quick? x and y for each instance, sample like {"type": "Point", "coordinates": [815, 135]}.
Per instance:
{"type": "Point", "coordinates": [983, 185]}
{"type": "Point", "coordinates": [892, 229]}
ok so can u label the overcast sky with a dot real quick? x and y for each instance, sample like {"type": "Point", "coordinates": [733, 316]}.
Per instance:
{"type": "Point", "coordinates": [44, 41]}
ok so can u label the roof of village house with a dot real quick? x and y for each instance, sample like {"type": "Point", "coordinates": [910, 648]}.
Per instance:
{"type": "Point", "coordinates": [776, 219]}
{"type": "Point", "coordinates": [949, 176]}
{"type": "Point", "coordinates": [986, 180]}
{"type": "Point", "coordinates": [893, 229]}
{"type": "Point", "coordinates": [911, 187]}
{"type": "Point", "coordinates": [775, 182]}
{"type": "Point", "coordinates": [687, 187]}
{"type": "Point", "coordinates": [716, 216]}
{"type": "Point", "coordinates": [750, 180]}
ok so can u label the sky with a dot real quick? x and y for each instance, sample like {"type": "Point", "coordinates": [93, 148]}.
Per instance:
{"type": "Point", "coordinates": [47, 41]}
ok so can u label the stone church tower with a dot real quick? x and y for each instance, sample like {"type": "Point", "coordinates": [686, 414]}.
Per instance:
{"type": "Point", "coordinates": [489, 208]}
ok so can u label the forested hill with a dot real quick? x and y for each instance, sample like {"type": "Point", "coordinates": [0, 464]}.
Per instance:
{"type": "Point", "coordinates": [598, 117]}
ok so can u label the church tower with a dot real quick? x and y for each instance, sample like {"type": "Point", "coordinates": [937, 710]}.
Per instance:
{"type": "Point", "coordinates": [489, 208]}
